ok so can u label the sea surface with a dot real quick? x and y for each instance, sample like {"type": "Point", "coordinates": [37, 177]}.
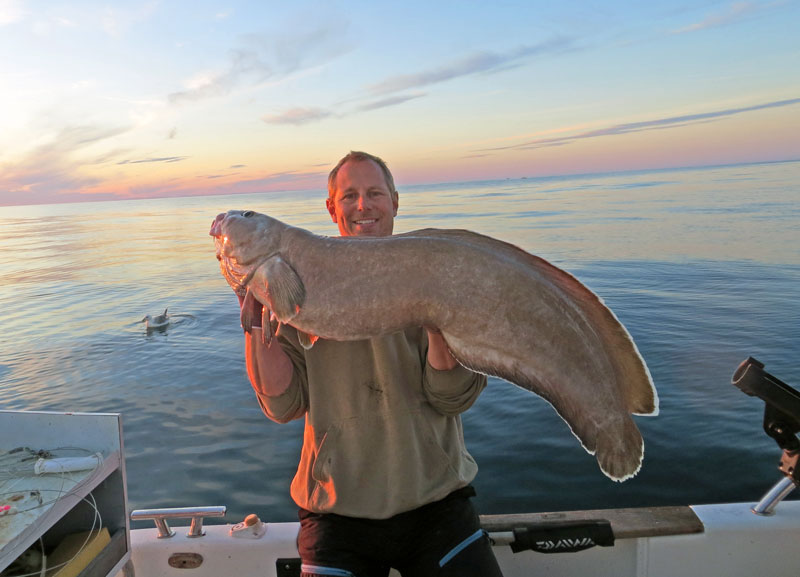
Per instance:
{"type": "Point", "coordinates": [701, 265]}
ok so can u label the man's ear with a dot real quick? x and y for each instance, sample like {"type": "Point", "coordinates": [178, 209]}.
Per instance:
{"type": "Point", "coordinates": [329, 204]}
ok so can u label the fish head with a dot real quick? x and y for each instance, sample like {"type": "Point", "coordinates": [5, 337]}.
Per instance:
{"type": "Point", "coordinates": [243, 239]}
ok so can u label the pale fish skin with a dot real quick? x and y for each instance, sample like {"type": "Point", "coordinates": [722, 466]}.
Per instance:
{"type": "Point", "coordinates": [501, 310]}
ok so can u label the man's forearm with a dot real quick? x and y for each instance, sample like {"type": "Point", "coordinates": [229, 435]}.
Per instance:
{"type": "Point", "coordinates": [268, 366]}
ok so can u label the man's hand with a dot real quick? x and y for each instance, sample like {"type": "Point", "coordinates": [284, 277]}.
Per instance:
{"type": "Point", "coordinates": [439, 355]}
{"type": "Point", "coordinates": [254, 315]}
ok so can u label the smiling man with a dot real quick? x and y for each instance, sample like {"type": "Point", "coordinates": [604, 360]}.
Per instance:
{"type": "Point", "coordinates": [362, 199]}
{"type": "Point", "coordinates": [384, 475]}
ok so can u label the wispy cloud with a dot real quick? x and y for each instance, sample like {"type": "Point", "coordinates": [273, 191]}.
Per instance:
{"type": "Point", "coordinates": [391, 101]}
{"type": "Point", "coordinates": [395, 90]}
{"type": "Point", "coordinates": [244, 65]}
{"type": "Point", "coordinates": [306, 115]}
{"type": "Point", "coordinates": [226, 182]}
{"type": "Point", "coordinates": [735, 12]}
{"type": "Point", "coordinates": [166, 159]}
{"type": "Point", "coordinates": [655, 124]}
{"type": "Point", "coordinates": [478, 63]}
{"type": "Point", "coordinates": [297, 116]}
{"type": "Point", "coordinates": [47, 173]}
{"type": "Point", "coordinates": [266, 57]}
{"type": "Point", "coordinates": [230, 171]}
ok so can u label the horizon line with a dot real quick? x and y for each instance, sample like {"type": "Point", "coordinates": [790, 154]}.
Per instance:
{"type": "Point", "coordinates": [438, 183]}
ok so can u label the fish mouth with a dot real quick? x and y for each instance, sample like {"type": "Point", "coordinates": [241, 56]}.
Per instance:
{"type": "Point", "coordinates": [216, 225]}
{"type": "Point", "coordinates": [218, 234]}
{"type": "Point", "coordinates": [236, 273]}
{"type": "Point", "coordinates": [228, 266]}
{"type": "Point", "coordinates": [218, 244]}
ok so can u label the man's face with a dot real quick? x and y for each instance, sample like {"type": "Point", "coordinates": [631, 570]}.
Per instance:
{"type": "Point", "coordinates": [362, 204]}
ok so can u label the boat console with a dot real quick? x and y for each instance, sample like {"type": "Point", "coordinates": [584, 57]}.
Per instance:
{"type": "Point", "coordinates": [781, 422]}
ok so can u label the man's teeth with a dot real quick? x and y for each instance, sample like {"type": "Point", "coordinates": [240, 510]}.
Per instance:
{"type": "Point", "coordinates": [366, 221]}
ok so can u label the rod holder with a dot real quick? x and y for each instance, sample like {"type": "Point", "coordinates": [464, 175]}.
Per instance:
{"type": "Point", "coordinates": [781, 489]}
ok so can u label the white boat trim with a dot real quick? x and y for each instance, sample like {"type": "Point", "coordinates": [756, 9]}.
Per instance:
{"type": "Point", "coordinates": [711, 540]}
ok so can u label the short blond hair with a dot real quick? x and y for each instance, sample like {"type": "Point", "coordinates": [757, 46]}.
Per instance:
{"type": "Point", "coordinates": [359, 156]}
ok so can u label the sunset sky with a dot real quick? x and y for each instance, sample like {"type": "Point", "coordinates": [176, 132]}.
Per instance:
{"type": "Point", "coordinates": [118, 100]}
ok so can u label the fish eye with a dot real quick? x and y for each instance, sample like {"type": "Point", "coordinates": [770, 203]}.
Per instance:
{"type": "Point", "coordinates": [247, 213]}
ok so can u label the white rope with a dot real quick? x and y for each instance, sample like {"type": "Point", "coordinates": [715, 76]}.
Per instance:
{"type": "Point", "coordinates": [19, 465]}
{"type": "Point", "coordinates": [97, 521]}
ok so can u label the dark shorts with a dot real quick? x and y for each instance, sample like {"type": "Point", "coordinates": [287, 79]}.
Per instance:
{"type": "Point", "coordinates": [442, 539]}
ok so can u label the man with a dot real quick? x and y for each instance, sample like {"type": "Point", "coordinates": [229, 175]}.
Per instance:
{"type": "Point", "coordinates": [383, 479]}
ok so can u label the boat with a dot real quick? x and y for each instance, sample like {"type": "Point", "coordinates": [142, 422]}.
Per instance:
{"type": "Point", "coordinates": [725, 539]}
{"type": "Point", "coordinates": [710, 540]}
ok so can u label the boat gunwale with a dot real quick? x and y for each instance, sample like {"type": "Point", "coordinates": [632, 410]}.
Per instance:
{"type": "Point", "coordinates": [626, 523]}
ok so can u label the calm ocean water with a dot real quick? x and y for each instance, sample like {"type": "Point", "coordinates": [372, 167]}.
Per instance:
{"type": "Point", "coordinates": [701, 265]}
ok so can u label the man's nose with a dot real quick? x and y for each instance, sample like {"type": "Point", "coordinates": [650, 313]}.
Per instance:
{"type": "Point", "coordinates": [362, 202]}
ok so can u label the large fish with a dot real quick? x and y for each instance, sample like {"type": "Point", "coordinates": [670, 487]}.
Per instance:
{"type": "Point", "coordinates": [501, 310]}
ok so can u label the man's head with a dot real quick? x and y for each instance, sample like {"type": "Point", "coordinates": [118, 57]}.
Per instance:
{"type": "Point", "coordinates": [362, 199]}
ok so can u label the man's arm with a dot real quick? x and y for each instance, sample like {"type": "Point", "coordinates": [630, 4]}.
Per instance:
{"type": "Point", "coordinates": [268, 366]}
{"type": "Point", "coordinates": [278, 383]}
{"type": "Point", "coordinates": [448, 386]}
{"type": "Point", "coordinates": [271, 371]}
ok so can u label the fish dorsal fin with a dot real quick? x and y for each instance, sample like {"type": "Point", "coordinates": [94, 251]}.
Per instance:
{"type": "Point", "coordinates": [306, 340]}
{"type": "Point", "coordinates": [285, 289]}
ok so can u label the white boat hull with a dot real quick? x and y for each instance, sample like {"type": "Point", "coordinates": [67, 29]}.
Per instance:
{"type": "Point", "coordinates": [733, 541]}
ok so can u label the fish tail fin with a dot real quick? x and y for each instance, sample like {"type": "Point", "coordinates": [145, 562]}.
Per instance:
{"type": "Point", "coordinates": [633, 376]}
{"type": "Point", "coordinates": [619, 452]}
{"type": "Point", "coordinates": [640, 392]}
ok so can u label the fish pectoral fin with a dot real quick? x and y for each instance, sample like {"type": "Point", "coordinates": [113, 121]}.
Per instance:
{"type": "Point", "coordinates": [285, 289]}
{"type": "Point", "coordinates": [266, 326]}
{"type": "Point", "coordinates": [246, 315]}
{"type": "Point", "coordinates": [306, 340]}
